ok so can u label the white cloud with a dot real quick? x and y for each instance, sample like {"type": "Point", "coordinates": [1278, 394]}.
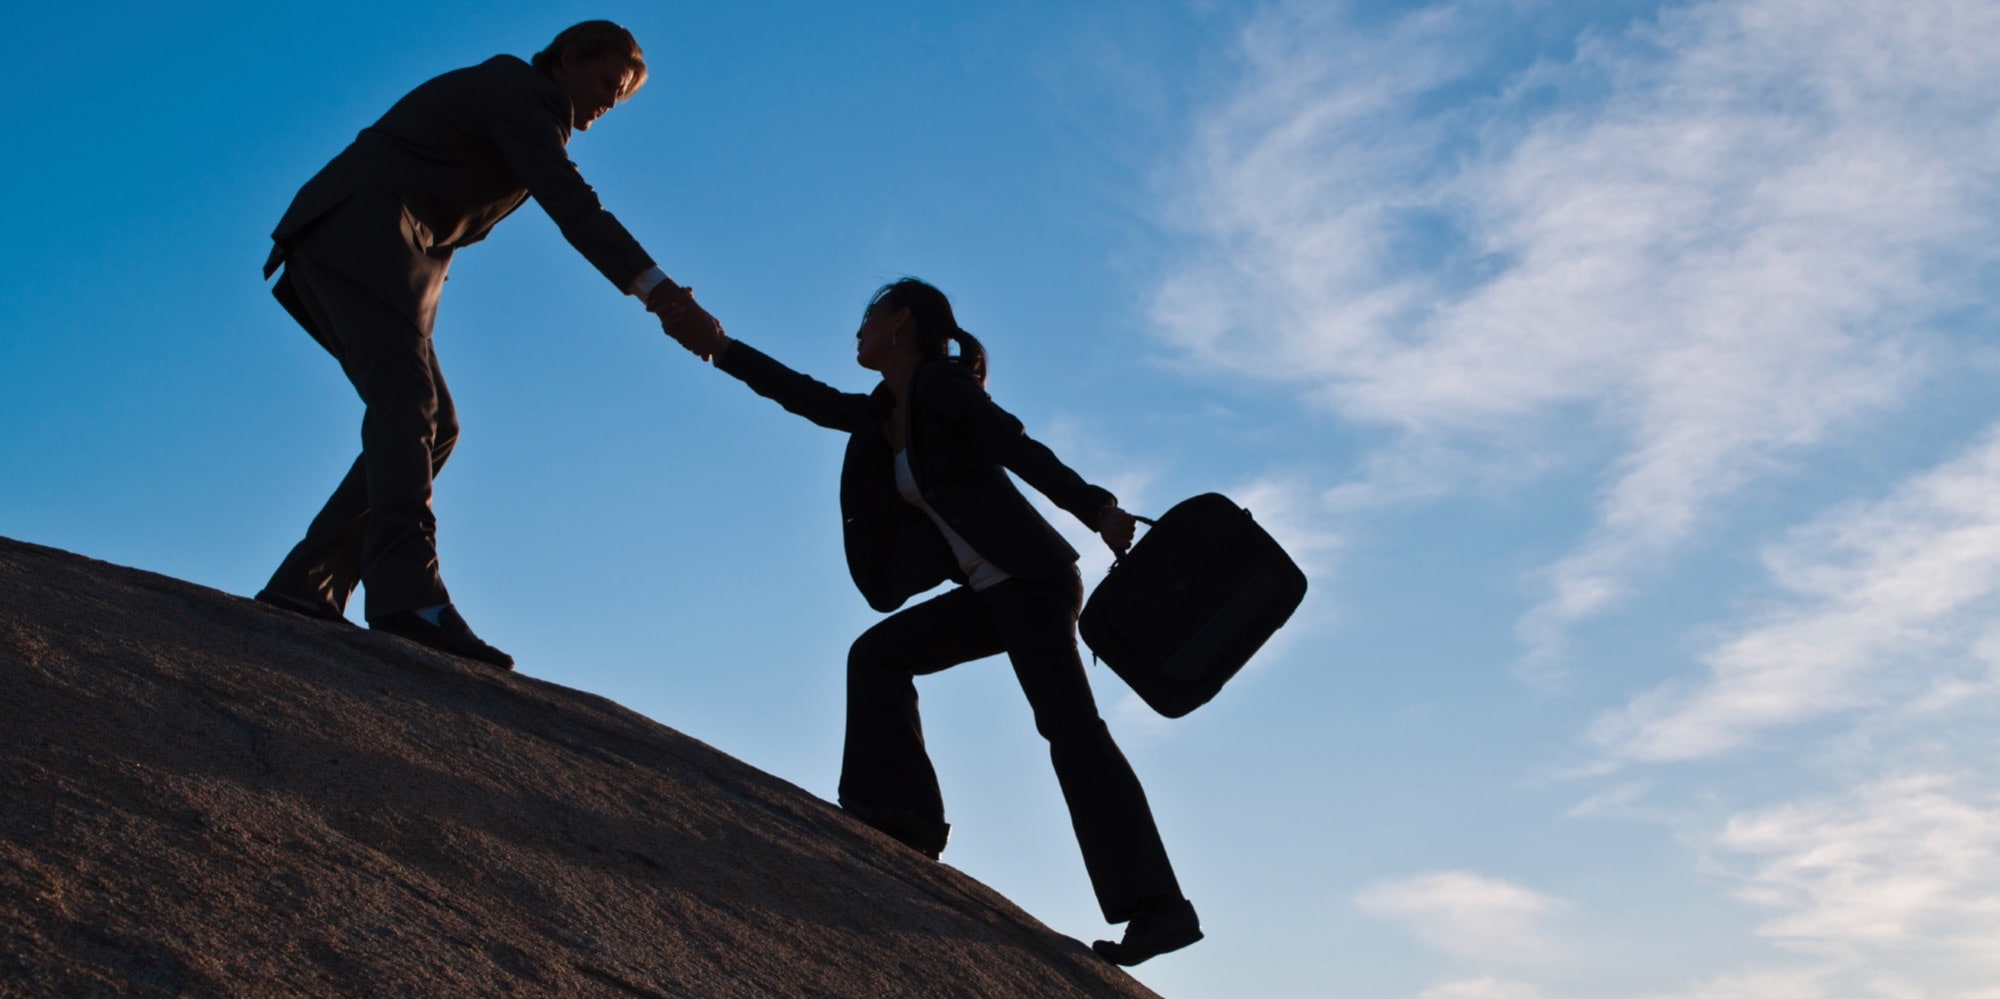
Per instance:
{"type": "Point", "coordinates": [1884, 614]}
{"type": "Point", "coordinates": [1621, 801]}
{"type": "Point", "coordinates": [1708, 242]}
{"type": "Point", "coordinates": [1469, 916]}
{"type": "Point", "coordinates": [1897, 595]}
{"type": "Point", "coordinates": [1687, 255]}
{"type": "Point", "coordinates": [1953, 690]}
{"type": "Point", "coordinates": [1288, 509]}
{"type": "Point", "coordinates": [1482, 988]}
{"type": "Point", "coordinates": [1767, 984]}
{"type": "Point", "coordinates": [1902, 873]}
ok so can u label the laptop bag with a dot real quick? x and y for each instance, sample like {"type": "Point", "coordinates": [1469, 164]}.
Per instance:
{"type": "Point", "coordinates": [1189, 604]}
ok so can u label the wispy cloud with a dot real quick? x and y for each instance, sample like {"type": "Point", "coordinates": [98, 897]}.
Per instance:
{"type": "Point", "coordinates": [1469, 916]}
{"type": "Point", "coordinates": [1482, 988]}
{"type": "Point", "coordinates": [1287, 507]}
{"type": "Point", "coordinates": [1765, 984]}
{"type": "Point", "coordinates": [1621, 801]}
{"type": "Point", "coordinates": [1889, 885]}
{"type": "Point", "coordinates": [1903, 871]}
{"type": "Point", "coordinates": [1691, 250]}
{"type": "Point", "coordinates": [1897, 595]}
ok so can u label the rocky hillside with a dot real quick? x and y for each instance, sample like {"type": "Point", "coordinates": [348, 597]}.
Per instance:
{"type": "Point", "coordinates": [204, 796]}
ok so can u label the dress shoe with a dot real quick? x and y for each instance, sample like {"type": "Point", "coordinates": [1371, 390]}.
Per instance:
{"type": "Point", "coordinates": [300, 605]}
{"type": "Point", "coordinates": [1154, 931]}
{"type": "Point", "coordinates": [451, 634]}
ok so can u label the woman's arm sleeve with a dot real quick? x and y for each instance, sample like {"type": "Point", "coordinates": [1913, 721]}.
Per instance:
{"type": "Point", "coordinates": [957, 397]}
{"type": "Point", "coordinates": [821, 403]}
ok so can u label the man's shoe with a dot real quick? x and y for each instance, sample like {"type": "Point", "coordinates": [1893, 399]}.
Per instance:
{"type": "Point", "coordinates": [1153, 932]}
{"type": "Point", "coordinates": [300, 605]}
{"type": "Point", "coordinates": [451, 634]}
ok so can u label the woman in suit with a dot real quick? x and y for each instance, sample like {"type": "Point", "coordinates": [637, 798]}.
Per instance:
{"type": "Point", "coordinates": [924, 498]}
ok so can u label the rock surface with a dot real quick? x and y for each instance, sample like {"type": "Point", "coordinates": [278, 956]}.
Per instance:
{"type": "Point", "coordinates": [205, 796]}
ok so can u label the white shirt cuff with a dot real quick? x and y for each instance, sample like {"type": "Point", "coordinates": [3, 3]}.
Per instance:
{"type": "Point", "coordinates": [647, 280]}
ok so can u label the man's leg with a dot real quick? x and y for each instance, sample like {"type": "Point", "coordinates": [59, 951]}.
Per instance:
{"type": "Point", "coordinates": [320, 573]}
{"type": "Point", "coordinates": [386, 496]}
{"type": "Point", "coordinates": [886, 777]}
{"type": "Point", "coordinates": [378, 526]}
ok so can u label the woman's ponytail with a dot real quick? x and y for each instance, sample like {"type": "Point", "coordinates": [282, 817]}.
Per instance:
{"type": "Point", "coordinates": [936, 327]}
{"type": "Point", "coordinates": [971, 354]}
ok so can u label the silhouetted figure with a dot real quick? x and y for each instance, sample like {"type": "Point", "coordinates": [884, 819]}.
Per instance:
{"type": "Point", "coordinates": [925, 497]}
{"type": "Point", "coordinates": [365, 246]}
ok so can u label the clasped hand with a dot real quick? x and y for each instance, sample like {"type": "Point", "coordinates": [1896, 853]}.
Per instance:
{"type": "Point", "coordinates": [682, 318]}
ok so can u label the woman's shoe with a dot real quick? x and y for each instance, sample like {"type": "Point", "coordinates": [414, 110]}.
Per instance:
{"type": "Point", "coordinates": [1153, 932]}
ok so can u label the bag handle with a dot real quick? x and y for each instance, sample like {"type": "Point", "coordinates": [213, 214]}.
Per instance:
{"type": "Point", "coordinates": [1120, 557]}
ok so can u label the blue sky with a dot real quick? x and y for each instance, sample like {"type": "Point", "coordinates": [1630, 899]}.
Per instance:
{"type": "Point", "coordinates": [1621, 372]}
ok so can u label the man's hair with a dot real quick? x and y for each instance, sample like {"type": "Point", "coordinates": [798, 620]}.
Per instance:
{"type": "Point", "coordinates": [591, 39]}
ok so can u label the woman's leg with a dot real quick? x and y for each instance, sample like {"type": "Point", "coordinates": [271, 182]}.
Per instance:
{"type": "Point", "coordinates": [886, 777]}
{"type": "Point", "coordinates": [1114, 825]}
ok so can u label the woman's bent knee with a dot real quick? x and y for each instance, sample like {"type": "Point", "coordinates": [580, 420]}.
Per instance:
{"type": "Point", "coordinates": [872, 652]}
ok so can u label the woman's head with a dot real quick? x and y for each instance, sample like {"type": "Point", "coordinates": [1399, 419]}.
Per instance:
{"type": "Point", "coordinates": [912, 316]}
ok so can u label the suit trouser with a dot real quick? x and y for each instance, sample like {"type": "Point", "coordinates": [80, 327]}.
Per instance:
{"type": "Point", "coordinates": [885, 767]}
{"type": "Point", "coordinates": [377, 528]}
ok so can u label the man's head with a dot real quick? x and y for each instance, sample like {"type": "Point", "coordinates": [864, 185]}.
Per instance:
{"type": "Point", "coordinates": [598, 64]}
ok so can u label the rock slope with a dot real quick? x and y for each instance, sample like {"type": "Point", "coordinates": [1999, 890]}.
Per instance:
{"type": "Point", "coordinates": [204, 796]}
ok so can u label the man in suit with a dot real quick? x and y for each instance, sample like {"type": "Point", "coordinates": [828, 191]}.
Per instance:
{"type": "Point", "coordinates": [365, 247]}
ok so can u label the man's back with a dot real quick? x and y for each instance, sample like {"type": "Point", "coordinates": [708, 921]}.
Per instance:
{"type": "Point", "coordinates": [443, 166]}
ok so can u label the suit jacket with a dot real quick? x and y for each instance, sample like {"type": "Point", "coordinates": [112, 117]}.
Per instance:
{"type": "Point", "coordinates": [961, 446]}
{"type": "Point", "coordinates": [437, 172]}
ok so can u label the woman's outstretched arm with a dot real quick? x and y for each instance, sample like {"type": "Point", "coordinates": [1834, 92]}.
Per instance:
{"type": "Point", "coordinates": [823, 404]}
{"type": "Point", "coordinates": [816, 401]}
